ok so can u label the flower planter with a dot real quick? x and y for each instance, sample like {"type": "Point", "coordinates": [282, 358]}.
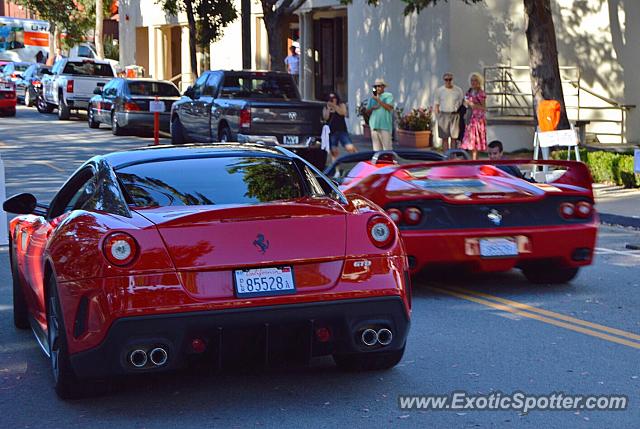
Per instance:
{"type": "Point", "coordinates": [366, 131]}
{"type": "Point", "coordinates": [414, 139]}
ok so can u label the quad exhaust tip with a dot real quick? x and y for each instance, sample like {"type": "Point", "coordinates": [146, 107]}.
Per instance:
{"type": "Point", "coordinates": [158, 356]}
{"type": "Point", "coordinates": [369, 337]}
{"type": "Point", "coordinates": [385, 336]}
{"type": "Point", "coordinates": [138, 358]}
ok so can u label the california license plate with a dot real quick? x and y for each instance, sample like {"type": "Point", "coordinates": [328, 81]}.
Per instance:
{"type": "Point", "coordinates": [498, 247]}
{"type": "Point", "coordinates": [290, 140]}
{"type": "Point", "coordinates": [264, 281]}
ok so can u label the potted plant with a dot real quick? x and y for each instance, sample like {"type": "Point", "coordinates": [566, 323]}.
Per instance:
{"type": "Point", "coordinates": [362, 113]}
{"type": "Point", "coordinates": [414, 128]}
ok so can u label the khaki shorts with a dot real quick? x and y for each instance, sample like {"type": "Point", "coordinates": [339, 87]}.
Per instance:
{"type": "Point", "coordinates": [449, 125]}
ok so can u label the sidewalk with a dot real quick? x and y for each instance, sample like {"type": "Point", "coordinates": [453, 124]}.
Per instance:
{"type": "Point", "coordinates": [615, 204]}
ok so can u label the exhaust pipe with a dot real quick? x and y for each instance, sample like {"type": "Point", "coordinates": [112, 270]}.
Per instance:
{"type": "Point", "coordinates": [369, 337]}
{"type": "Point", "coordinates": [158, 356]}
{"type": "Point", "coordinates": [385, 336]}
{"type": "Point", "coordinates": [138, 358]}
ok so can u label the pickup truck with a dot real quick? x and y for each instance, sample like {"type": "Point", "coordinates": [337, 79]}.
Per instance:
{"type": "Point", "coordinates": [71, 83]}
{"type": "Point", "coordinates": [249, 106]}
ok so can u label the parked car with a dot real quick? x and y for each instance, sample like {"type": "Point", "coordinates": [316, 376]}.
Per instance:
{"type": "Point", "coordinates": [29, 87]}
{"type": "Point", "coordinates": [249, 106]}
{"type": "Point", "coordinates": [124, 104]}
{"type": "Point", "coordinates": [8, 99]}
{"type": "Point", "coordinates": [71, 83]}
{"type": "Point", "coordinates": [479, 214]}
{"type": "Point", "coordinates": [229, 254]}
{"type": "Point", "coordinates": [13, 71]}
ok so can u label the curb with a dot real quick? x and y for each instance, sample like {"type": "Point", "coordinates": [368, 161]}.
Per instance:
{"type": "Point", "coordinates": [613, 219]}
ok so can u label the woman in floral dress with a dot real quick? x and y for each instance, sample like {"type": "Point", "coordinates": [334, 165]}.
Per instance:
{"type": "Point", "coordinates": [475, 134]}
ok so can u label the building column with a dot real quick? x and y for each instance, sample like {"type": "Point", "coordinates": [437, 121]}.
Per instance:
{"type": "Point", "coordinates": [187, 73]}
{"type": "Point", "coordinates": [307, 54]}
{"type": "Point", "coordinates": [156, 53]}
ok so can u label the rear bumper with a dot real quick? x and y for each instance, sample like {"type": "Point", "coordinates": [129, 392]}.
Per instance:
{"type": "Point", "coordinates": [143, 120]}
{"type": "Point", "coordinates": [556, 244]}
{"type": "Point", "coordinates": [79, 103]}
{"type": "Point", "coordinates": [267, 335]}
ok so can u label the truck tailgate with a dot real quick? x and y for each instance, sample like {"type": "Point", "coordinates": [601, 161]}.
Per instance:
{"type": "Point", "coordinates": [286, 118]}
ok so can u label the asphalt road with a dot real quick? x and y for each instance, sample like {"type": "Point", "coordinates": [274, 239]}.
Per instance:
{"type": "Point", "coordinates": [476, 334]}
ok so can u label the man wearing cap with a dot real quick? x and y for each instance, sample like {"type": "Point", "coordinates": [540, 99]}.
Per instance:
{"type": "Point", "coordinates": [380, 109]}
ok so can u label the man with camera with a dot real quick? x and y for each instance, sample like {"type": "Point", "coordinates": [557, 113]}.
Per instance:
{"type": "Point", "coordinates": [380, 109]}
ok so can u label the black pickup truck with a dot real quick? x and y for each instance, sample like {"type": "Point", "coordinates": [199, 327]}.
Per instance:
{"type": "Point", "coordinates": [249, 106]}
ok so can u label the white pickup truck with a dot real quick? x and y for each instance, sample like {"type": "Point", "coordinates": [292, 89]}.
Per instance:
{"type": "Point", "coordinates": [71, 85]}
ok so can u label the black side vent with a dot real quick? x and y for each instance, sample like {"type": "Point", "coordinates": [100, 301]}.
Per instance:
{"type": "Point", "coordinates": [80, 325]}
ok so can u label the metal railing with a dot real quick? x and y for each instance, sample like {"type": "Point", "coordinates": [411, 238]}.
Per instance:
{"type": "Point", "coordinates": [509, 95]}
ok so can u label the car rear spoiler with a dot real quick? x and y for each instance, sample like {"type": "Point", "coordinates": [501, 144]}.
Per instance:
{"type": "Point", "coordinates": [577, 173]}
{"type": "Point", "coordinates": [408, 154]}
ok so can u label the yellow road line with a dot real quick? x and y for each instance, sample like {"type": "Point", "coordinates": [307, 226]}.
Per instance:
{"type": "Point", "coordinates": [548, 313]}
{"type": "Point", "coordinates": [538, 317]}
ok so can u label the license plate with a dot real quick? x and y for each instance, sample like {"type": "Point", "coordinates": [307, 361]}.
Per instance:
{"type": "Point", "coordinates": [289, 140]}
{"type": "Point", "coordinates": [497, 247]}
{"type": "Point", "coordinates": [264, 281]}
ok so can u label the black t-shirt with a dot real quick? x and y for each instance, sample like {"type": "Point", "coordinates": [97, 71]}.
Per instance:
{"type": "Point", "coordinates": [337, 122]}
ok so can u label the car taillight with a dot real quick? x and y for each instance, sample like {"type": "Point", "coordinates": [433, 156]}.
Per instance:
{"type": "Point", "coordinates": [412, 215]}
{"type": "Point", "coordinates": [131, 107]}
{"type": "Point", "coordinates": [395, 215]}
{"type": "Point", "coordinates": [245, 118]}
{"type": "Point", "coordinates": [120, 248]}
{"type": "Point", "coordinates": [14, 75]}
{"type": "Point", "coordinates": [567, 210]}
{"type": "Point", "coordinates": [36, 83]}
{"type": "Point", "coordinates": [69, 86]}
{"type": "Point", "coordinates": [381, 231]}
{"type": "Point", "coordinates": [583, 209]}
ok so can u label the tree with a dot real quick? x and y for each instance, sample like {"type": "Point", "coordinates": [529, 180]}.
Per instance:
{"type": "Point", "coordinates": [546, 83]}
{"type": "Point", "coordinates": [211, 16]}
{"type": "Point", "coordinates": [276, 14]}
{"type": "Point", "coordinates": [97, 35]}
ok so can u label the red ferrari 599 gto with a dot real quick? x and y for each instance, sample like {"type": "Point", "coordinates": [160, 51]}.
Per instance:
{"type": "Point", "coordinates": [484, 215]}
{"type": "Point", "coordinates": [147, 260]}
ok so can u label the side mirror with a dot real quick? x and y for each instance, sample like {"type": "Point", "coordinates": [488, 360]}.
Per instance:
{"type": "Point", "coordinates": [189, 92]}
{"type": "Point", "coordinates": [97, 91]}
{"type": "Point", "coordinates": [20, 204]}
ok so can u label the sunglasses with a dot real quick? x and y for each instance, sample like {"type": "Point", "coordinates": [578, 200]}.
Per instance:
{"type": "Point", "coordinates": [448, 79]}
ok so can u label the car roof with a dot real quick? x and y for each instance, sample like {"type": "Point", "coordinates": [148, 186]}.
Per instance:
{"type": "Point", "coordinates": [166, 153]}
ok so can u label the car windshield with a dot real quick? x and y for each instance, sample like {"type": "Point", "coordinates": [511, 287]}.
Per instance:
{"type": "Point", "coordinates": [208, 181]}
{"type": "Point", "coordinates": [272, 87]}
{"type": "Point", "coordinates": [87, 68]}
{"type": "Point", "coordinates": [161, 89]}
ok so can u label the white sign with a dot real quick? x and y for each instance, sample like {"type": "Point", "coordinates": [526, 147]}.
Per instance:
{"type": "Point", "coordinates": [558, 138]}
{"type": "Point", "coordinates": [636, 161]}
{"type": "Point", "coordinates": [156, 106]}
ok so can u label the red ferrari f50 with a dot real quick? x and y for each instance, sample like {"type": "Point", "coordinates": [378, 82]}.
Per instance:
{"type": "Point", "coordinates": [485, 215]}
{"type": "Point", "coordinates": [149, 259]}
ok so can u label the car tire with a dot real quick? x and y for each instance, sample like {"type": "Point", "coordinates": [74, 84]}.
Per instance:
{"type": "Point", "coordinates": [66, 383]}
{"type": "Point", "coordinates": [20, 310]}
{"type": "Point", "coordinates": [11, 111]}
{"type": "Point", "coordinates": [91, 118]}
{"type": "Point", "coordinates": [177, 134]}
{"type": "Point", "coordinates": [549, 274]}
{"type": "Point", "coordinates": [224, 135]}
{"type": "Point", "coordinates": [116, 129]}
{"type": "Point", "coordinates": [43, 106]}
{"type": "Point", "coordinates": [64, 113]}
{"type": "Point", "coordinates": [369, 361]}
{"type": "Point", "coordinates": [27, 98]}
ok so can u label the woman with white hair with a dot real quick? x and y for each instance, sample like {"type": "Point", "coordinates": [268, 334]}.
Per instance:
{"type": "Point", "coordinates": [475, 134]}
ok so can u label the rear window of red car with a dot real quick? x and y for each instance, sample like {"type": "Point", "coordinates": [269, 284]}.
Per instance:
{"type": "Point", "coordinates": [209, 181]}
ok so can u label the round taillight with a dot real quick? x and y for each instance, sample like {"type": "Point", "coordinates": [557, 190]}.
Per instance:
{"type": "Point", "coordinates": [120, 248]}
{"type": "Point", "coordinates": [567, 210]}
{"type": "Point", "coordinates": [584, 209]}
{"type": "Point", "coordinates": [412, 215]}
{"type": "Point", "coordinates": [381, 231]}
{"type": "Point", "coordinates": [395, 215]}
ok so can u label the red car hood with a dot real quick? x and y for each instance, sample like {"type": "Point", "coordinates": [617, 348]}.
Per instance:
{"type": "Point", "coordinates": [214, 237]}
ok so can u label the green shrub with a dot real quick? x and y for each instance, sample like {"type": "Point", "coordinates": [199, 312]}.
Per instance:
{"type": "Point", "coordinates": [606, 167]}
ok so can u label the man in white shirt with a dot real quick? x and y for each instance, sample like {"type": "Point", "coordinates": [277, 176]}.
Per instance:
{"type": "Point", "coordinates": [293, 64]}
{"type": "Point", "coordinates": [448, 100]}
